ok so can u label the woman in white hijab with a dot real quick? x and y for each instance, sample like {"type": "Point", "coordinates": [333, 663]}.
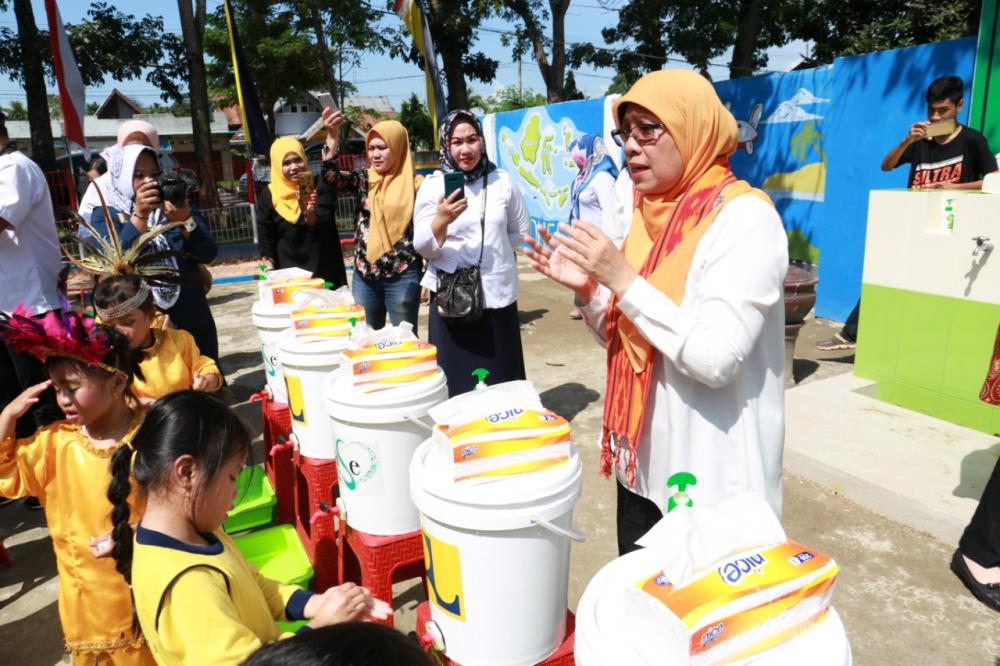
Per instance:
{"type": "Point", "coordinates": [137, 191]}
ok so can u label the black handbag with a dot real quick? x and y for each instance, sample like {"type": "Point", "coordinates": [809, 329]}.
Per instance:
{"type": "Point", "coordinates": [459, 297]}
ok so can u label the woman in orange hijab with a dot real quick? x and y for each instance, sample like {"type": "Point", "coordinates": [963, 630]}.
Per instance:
{"type": "Point", "coordinates": [387, 268]}
{"type": "Point", "coordinates": [294, 229]}
{"type": "Point", "coordinates": [690, 309]}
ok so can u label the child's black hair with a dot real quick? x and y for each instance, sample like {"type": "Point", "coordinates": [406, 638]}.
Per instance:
{"type": "Point", "coordinates": [119, 356]}
{"type": "Point", "coordinates": [181, 423]}
{"type": "Point", "coordinates": [98, 164]}
{"type": "Point", "coordinates": [117, 289]}
{"type": "Point", "coordinates": [346, 644]}
{"type": "Point", "coordinates": [946, 87]}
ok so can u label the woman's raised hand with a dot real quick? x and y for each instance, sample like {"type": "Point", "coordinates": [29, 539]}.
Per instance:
{"type": "Point", "coordinates": [333, 120]}
{"type": "Point", "coordinates": [587, 247]}
{"type": "Point", "coordinates": [19, 406]}
{"type": "Point", "coordinates": [549, 260]}
{"type": "Point", "coordinates": [449, 209]}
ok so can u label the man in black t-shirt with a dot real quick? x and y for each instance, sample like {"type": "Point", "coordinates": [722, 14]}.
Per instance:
{"type": "Point", "coordinates": [955, 161]}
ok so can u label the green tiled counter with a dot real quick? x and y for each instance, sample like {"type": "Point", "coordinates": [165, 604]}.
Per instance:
{"type": "Point", "coordinates": [929, 308]}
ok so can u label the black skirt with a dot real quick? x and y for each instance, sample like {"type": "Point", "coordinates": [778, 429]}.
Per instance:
{"type": "Point", "coordinates": [493, 343]}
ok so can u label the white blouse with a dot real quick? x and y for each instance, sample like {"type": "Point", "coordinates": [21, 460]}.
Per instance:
{"type": "Point", "coordinates": [717, 405]}
{"type": "Point", "coordinates": [506, 221]}
{"type": "Point", "coordinates": [597, 206]}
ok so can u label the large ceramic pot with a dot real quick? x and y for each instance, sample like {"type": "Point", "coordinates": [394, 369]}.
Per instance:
{"type": "Point", "coordinates": [800, 294]}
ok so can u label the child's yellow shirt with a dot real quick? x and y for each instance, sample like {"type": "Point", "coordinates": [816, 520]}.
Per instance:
{"type": "Point", "coordinates": [206, 604]}
{"type": "Point", "coordinates": [171, 364]}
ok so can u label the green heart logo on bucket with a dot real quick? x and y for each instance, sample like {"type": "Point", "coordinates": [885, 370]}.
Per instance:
{"type": "Point", "coordinates": [356, 463]}
{"type": "Point", "coordinates": [270, 359]}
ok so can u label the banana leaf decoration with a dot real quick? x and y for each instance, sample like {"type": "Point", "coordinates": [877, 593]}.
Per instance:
{"type": "Point", "coordinates": [106, 257]}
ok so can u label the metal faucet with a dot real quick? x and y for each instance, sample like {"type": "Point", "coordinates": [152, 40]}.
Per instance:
{"type": "Point", "coordinates": [983, 244]}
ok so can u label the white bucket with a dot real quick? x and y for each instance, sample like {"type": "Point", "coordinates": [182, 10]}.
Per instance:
{"type": "Point", "coordinates": [497, 558]}
{"type": "Point", "coordinates": [376, 435]}
{"type": "Point", "coordinates": [600, 616]}
{"type": "Point", "coordinates": [306, 366]}
{"type": "Point", "coordinates": [270, 322]}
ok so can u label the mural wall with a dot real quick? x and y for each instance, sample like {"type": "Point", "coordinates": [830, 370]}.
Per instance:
{"type": "Point", "coordinates": [813, 139]}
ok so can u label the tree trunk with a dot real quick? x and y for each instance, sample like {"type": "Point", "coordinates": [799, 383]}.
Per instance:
{"type": "Point", "coordinates": [557, 74]}
{"type": "Point", "coordinates": [193, 27]}
{"type": "Point", "coordinates": [325, 56]}
{"type": "Point", "coordinates": [454, 77]}
{"type": "Point", "coordinates": [746, 39]}
{"type": "Point", "coordinates": [42, 150]}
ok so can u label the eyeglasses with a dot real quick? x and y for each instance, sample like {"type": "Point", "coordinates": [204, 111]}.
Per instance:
{"type": "Point", "coordinates": [643, 133]}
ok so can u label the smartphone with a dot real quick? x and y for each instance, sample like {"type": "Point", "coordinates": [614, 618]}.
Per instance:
{"type": "Point", "coordinates": [326, 101]}
{"type": "Point", "coordinates": [941, 128]}
{"type": "Point", "coordinates": [454, 180]}
{"type": "Point", "coordinates": [307, 183]}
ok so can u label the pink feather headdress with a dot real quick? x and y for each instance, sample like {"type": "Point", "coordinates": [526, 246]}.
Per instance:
{"type": "Point", "coordinates": [68, 334]}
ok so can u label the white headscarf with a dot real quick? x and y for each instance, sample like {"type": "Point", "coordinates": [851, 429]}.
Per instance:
{"type": "Point", "coordinates": [165, 296]}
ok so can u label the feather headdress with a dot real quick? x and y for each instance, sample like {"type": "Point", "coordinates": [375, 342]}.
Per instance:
{"type": "Point", "coordinates": [107, 257]}
{"type": "Point", "coordinates": [68, 334]}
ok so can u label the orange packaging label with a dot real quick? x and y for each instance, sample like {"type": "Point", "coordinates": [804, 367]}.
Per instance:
{"type": "Point", "coordinates": [733, 579]}
{"type": "Point", "coordinates": [505, 420]}
{"type": "Point", "coordinates": [517, 468]}
{"type": "Point", "coordinates": [500, 447]}
{"type": "Point", "coordinates": [310, 320]}
{"type": "Point", "coordinates": [282, 292]}
{"type": "Point", "coordinates": [368, 360]}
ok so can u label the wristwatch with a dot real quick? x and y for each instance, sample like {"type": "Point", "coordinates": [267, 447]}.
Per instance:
{"type": "Point", "coordinates": [190, 225]}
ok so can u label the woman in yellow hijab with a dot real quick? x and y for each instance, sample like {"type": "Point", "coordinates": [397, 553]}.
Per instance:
{"type": "Point", "coordinates": [296, 225]}
{"type": "Point", "coordinates": [690, 309]}
{"type": "Point", "coordinates": [387, 269]}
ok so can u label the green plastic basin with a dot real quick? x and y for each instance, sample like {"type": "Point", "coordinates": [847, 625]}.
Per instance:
{"type": "Point", "coordinates": [278, 554]}
{"type": "Point", "coordinates": [255, 501]}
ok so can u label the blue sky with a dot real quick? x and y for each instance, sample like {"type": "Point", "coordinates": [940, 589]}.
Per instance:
{"type": "Point", "coordinates": [380, 75]}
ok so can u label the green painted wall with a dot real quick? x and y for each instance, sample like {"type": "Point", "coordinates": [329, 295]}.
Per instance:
{"type": "Point", "coordinates": [928, 353]}
{"type": "Point", "coordinates": [984, 109]}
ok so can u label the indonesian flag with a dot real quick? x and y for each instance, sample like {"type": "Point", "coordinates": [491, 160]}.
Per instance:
{"type": "Point", "coordinates": [72, 94]}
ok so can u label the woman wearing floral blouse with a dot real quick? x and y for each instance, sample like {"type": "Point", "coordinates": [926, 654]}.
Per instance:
{"type": "Point", "coordinates": [387, 269]}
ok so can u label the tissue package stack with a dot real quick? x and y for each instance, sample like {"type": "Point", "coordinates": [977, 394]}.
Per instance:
{"type": "Point", "coordinates": [505, 443]}
{"type": "Point", "coordinates": [389, 364]}
{"type": "Point", "coordinates": [326, 322]}
{"type": "Point", "coordinates": [744, 605]}
{"type": "Point", "coordinates": [279, 292]}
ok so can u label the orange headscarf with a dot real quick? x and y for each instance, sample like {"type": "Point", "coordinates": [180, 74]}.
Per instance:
{"type": "Point", "coordinates": [390, 195]}
{"type": "Point", "coordinates": [664, 235]}
{"type": "Point", "coordinates": [285, 192]}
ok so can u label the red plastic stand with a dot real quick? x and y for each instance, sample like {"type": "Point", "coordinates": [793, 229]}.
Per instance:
{"type": "Point", "coordinates": [563, 656]}
{"type": "Point", "coordinates": [315, 499]}
{"type": "Point", "coordinates": [5, 557]}
{"type": "Point", "coordinates": [276, 431]}
{"type": "Point", "coordinates": [376, 562]}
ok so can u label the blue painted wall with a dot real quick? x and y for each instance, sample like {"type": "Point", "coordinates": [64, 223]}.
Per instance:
{"type": "Point", "coordinates": [815, 144]}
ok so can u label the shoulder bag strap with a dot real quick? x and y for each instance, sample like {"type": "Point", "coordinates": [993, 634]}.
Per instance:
{"type": "Point", "coordinates": [173, 581]}
{"type": "Point", "coordinates": [482, 221]}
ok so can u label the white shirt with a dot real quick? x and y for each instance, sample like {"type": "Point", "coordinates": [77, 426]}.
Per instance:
{"type": "Point", "coordinates": [506, 221]}
{"type": "Point", "coordinates": [597, 205]}
{"type": "Point", "coordinates": [624, 206]}
{"type": "Point", "coordinates": [717, 404]}
{"type": "Point", "coordinates": [30, 258]}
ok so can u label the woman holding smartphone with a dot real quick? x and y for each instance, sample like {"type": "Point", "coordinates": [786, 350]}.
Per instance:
{"type": "Point", "coordinates": [480, 223]}
{"type": "Point", "coordinates": [387, 269]}
{"type": "Point", "coordinates": [292, 231]}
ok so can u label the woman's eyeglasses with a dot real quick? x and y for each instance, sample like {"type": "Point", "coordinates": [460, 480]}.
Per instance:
{"type": "Point", "coordinates": [643, 133]}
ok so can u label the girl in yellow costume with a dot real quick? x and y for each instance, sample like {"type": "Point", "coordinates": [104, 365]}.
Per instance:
{"type": "Point", "coordinates": [197, 598]}
{"type": "Point", "coordinates": [65, 465]}
{"type": "Point", "coordinates": [171, 360]}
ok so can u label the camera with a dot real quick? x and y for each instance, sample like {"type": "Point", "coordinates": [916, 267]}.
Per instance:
{"type": "Point", "coordinates": [172, 189]}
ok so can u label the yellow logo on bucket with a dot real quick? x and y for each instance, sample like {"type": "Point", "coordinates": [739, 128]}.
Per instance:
{"type": "Point", "coordinates": [296, 403]}
{"type": "Point", "coordinates": [444, 576]}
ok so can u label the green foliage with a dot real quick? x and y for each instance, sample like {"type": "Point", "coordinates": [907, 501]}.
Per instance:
{"type": "Point", "coordinates": [99, 46]}
{"type": "Point", "coordinates": [508, 98]}
{"type": "Point", "coordinates": [622, 82]}
{"type": "Point", "coordinates": [570, 90]}
{"type": "Point", "coordinates": [849, 28]}
{"type": "Point", "coordinates": [55, 107]}
{"type": "Point", "coordinates": [414, 117]}
{"type": "Point", "coordinates": [16, 111]}
{"type": "Point", "coordinates": [92, 108]}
